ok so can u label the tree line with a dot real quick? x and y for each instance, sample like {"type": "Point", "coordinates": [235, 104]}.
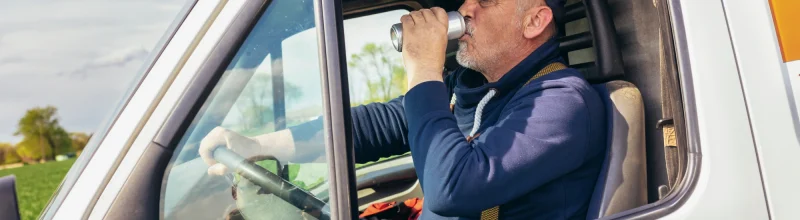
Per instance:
{"type": "Point", "coordinates": [42, 138]}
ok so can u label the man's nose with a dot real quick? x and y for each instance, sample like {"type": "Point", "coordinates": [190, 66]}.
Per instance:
{"type": "Point", "coordinates": [468, 8]}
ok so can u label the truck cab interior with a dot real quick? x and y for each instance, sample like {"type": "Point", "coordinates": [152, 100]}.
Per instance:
{"type": "Point", "coordinates": [623, 47]}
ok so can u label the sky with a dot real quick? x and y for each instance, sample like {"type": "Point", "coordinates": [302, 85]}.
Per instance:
{"type": "Point", "coordinates": [81, 56]}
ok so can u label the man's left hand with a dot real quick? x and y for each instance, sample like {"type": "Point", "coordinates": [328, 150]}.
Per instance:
{"type": "Point", "coordinates": [424, 45]}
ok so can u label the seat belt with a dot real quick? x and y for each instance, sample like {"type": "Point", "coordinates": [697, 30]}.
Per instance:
{"type": "Point", "coordinates": [494, 212]}
{"type": "Point", "coordinates": [674, 154]}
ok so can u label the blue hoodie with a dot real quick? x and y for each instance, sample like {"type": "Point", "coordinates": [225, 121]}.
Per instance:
{"type": "Point", "coordinates": [538, 153]}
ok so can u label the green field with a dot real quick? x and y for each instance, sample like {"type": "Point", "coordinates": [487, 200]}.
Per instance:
{"type": "Point", "coordinates": [36, 184]}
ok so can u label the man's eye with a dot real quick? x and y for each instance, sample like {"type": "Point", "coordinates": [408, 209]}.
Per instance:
{"type": "Point", "coordinates": [485, 3]}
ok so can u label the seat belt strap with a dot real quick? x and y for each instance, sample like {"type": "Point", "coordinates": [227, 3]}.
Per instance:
{"type": "Point", "coordinates": [674, 155]}
{"type": "Point", "coordinates": [547, 70]}
{"type": "Point", "coordinates": [494, 212]}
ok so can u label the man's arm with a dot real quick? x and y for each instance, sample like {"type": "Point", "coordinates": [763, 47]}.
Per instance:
{"type": "Point", "coordinates": [379, 130]}
{"type": "Point", "coordinates": [543, 135]}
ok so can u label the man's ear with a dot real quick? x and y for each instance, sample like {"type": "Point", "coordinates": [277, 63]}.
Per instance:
{"type": "Point", "coordinates": [536, 21]}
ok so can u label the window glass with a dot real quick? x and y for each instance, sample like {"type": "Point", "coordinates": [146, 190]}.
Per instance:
{"type": "Point", "coordinates": [375, 68]}
{"type": "Point", "coordinates": [376, 74]}
{"type": "Point", "coordinates": [272, 83]}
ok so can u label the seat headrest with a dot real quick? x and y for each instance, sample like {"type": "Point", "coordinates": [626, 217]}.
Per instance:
{"type": "Point", "coordinates": [602, 35]}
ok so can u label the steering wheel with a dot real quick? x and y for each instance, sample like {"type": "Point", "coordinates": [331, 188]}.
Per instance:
{"type": "Point", "coordinates": [272, 183]}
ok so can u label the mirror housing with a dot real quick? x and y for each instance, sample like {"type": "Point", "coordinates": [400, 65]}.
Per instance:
{"type": "Point", "coordinates": [8, 198]}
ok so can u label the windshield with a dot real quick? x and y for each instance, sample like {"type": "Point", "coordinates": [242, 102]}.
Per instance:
{"type": "Point", "coordinates": [272, 84]}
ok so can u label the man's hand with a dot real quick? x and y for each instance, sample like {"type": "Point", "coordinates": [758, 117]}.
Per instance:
{"type": "Point", "coordinates": [275, 145]}
{"type": "Point", "coordinates": [424, 44]}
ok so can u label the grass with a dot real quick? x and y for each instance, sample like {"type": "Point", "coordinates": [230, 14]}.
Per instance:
{"type": "Point", "coordinates": [36, 184]}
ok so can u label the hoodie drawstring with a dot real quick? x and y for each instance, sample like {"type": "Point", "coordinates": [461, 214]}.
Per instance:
{"type": "Point", "coordinates": [492, 92]}
{"type": "Point", "coordinates": [479, 112]}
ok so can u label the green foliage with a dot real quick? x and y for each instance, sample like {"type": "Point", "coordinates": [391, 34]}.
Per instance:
{"type": "Point", "coordinates": [380, 160]}
{"type": "Point", "coordinates": [8, 154]}
{"type": "Point", "coordinates": [384, 75]}
{"type": "Point", "coordinates": [31, 148]}
{"type": "Point", "coordinates": [79, 140]}
{"type": "Point", "coordinates": [36, 184]}
{"type": "Point", "coordinates": [42, 132]}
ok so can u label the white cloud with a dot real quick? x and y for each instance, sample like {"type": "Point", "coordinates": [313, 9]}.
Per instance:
{"type": "Point", "coordinates": [115, 59]}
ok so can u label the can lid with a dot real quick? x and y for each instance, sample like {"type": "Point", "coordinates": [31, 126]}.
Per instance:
{"type": "Point", "coordinates": [396, 34]}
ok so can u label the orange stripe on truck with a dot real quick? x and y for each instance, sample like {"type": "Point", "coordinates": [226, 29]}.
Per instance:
{"type": "Point", "coordinates": [786, 15]}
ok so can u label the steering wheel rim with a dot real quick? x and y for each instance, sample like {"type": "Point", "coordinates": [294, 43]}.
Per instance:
{"type": "Point", "coordinates": [272, 183]}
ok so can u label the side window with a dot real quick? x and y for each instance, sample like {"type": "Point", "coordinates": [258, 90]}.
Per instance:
{"type": "Point", "coordinates": [376, 74]}
{"type": "Point", "coordinates": [375, 68]}
{"type": "Point", "coordinates": [271, 84]}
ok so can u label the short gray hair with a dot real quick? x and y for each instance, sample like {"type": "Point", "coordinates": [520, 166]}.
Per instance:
{"type": "Point", "coordinates": [523, 5]}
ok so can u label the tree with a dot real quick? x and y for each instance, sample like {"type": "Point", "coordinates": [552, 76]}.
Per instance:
{"type": "Point", "coordinates": [31, 149]}
{"type": "Point", "coordinates": [79, 140]}
{"type": "Point", "coordinates": [8, 154]}
{"type": "Point", "coordinates": [40, 129]}
{"type": "Point", "coordinates": [383, 71]}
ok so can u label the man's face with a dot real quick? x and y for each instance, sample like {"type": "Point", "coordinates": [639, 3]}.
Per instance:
{"type": "Point", "coordinates": [493, 29]}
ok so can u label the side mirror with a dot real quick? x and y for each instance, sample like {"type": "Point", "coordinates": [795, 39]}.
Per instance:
{"type": "Point", "coordinates": [9, 209]}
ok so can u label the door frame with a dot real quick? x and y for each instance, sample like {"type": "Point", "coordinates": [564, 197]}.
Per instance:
{"type": "Point", "coordinates": [336, 102]}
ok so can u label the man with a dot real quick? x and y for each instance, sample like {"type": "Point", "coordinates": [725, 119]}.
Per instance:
{"type": "Point", "coordinates": [531, 145]}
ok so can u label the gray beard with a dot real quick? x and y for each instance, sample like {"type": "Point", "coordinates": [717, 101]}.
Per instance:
{"type": "Point", "coordinates": [466, 60]}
